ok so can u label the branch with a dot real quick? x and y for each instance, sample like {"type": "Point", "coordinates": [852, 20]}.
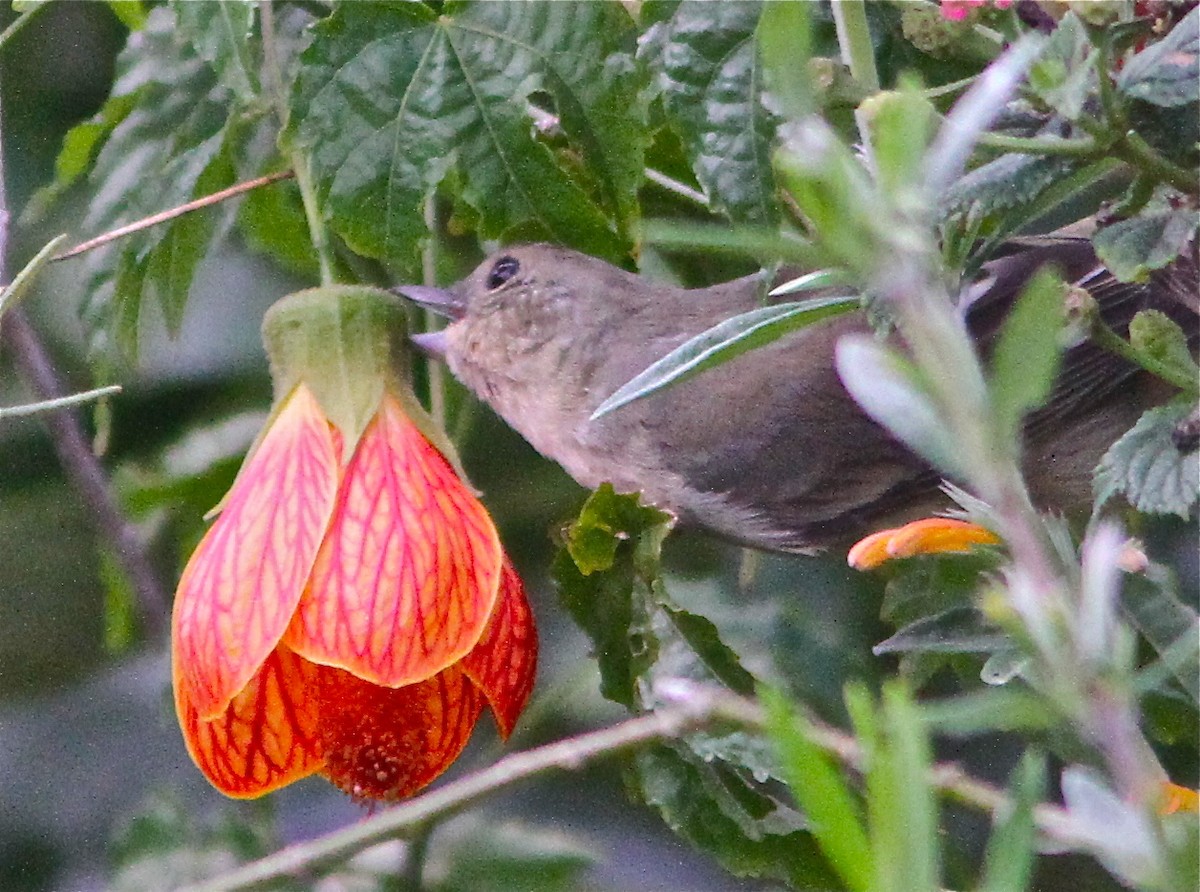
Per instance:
{"type": "Point", "coordinates": [696, 707]}
{"type": "Point", "coordinates": [170, 214]}
{"type": "Point", "coordinates": [564, 755]}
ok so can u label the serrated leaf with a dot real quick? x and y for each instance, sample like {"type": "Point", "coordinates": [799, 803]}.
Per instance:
{"type": "Point", "coordinates": [1064, 76]}
{"type": "Point", "coordinates": [886, 386]}
{"type": "Point", "coordinates": [1011, 181]}
{"type": "Point", "coordinates": [1166, 72]}
{"type": "Point", "coordinates": [1028, 354]}
{"type": "Point", "coordinates": [707, 67]}
{"type": "Point", "coordinates": [389, 97]}
{"type": "Point", "coordinates": [1156, 335]}
{"type": "Point", "coordinates": [748, 837]}
{"type": "Point", "coordinates": [1133, 248]}
{"type": "Point", "coordinates": [1168, 624]}
{"type": "Point", "coordinates": [1149, 469]}
{"type": "Point", "coordinates": [172, 141]}
{"type": "Point", "coordinates": [723, 342]}
{"type": "Point", "coordinates": [957, 630]}
{"type": "Point", "coordinates": [220, 32]}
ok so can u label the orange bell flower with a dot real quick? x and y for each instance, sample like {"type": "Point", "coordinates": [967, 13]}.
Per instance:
{"type": "Point", "coordinates": [351, 611]}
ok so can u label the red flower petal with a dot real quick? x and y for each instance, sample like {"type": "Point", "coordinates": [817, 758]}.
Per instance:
{"type": "Point", "coordinates": [387, 743]}
{"type": "Point", "coordinates": [504, 662]}
{"type": "Point", "coordinates": [243, 582]}
{"type": "Point", "coordinates": [408, 574]}
{"type": "Point", "coordinates": [267, 736]}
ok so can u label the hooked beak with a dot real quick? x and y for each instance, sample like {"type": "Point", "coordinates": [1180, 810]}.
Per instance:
{"type": "Point", "coordinates": [439, 300]}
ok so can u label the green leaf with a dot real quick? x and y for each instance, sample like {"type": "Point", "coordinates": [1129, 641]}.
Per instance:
{"type": "Point", "coordinates": [886, 386]}
{"type": "Point", "coordinates": [131, 13]}
{"type": "Point", "coordinates": [957, 630]}
{"type": "Point", "coordinates": [1009, 183]}
{"type": "Point", "coordinates": [833, 814]}
{"type": "Point", "coordinates": [1010, 851]}
{"type": "Point", "coordinates": [1149, 468]}
{"type": "Point", "coordinates": [1064, 77]}
{"type": "Point", "coordinates": [389, 97]}
{"type": "Point", "coordinates": [1165, 73]}
{"type": "Point", "coordinates": [1168, 624]}
{"type": "Point", "coordinates": [707, 66]}
{"type": "Point", "coordinates": [1133, 248]}
{"type": "Point", "coordinates": [169, 134]}
{"type": "Point", "coordinates": [748, 835]}
{"type": "Point", "coordinates": [1028, 354]}
{"type": "Point", "coordinates": [991, 709]}
{"type": "Point", "coordinates": [832, 190]}
{"type": "Point", "coordinates": [723, 342]}
{"type": "Point", "coordinates": [220, 32]}
{"type": "Point", "coordinates": [901, 125]}
{"type": "Point", "coordinates": [901, 808]}
{"type": "Point", "coordinates": [1156, 335]}
{"type": "Point", "coordinates": [785, 44]}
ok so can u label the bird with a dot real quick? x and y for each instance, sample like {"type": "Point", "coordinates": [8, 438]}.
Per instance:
{"type": "Point", "coordinates": [767, 450]}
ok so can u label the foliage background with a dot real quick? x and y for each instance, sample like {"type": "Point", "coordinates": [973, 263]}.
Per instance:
{"type": "Point", "coordinates": [95, 787]}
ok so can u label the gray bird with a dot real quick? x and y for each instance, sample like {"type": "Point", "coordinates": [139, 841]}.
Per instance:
{"type": "Point", "coordinates": [767, 450]}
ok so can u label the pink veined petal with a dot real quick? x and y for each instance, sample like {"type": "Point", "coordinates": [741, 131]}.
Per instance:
{"type": "Point", "coordinates": [267, 736]}
{"type": "Point", "coordinates": [504, 662]}
{"type": "Point", "coordinates": [242, 584]}
{"type": "Point", "coordinates": [408, 574]}
{"type": "Point", "coordinates": [388, 743]}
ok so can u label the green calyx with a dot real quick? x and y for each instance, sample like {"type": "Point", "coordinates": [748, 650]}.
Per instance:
{"type": "Point", "coordinates": [348, 344]}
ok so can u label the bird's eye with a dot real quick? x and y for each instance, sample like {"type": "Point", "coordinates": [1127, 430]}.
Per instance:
{"type": "Point", "coordinates": [502, 270]}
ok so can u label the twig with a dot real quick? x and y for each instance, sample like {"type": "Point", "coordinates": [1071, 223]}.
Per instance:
{"type": "Point", "coordinates": [672, 185]}
{"type": "Point", "coordinates": [82, 467]}
{"type": "Point", "coordinates": [696, 707]}
{"type": "Point", "coordinates": [170, 214]}
{"type": "Point", "coordinates": [65, 402]}
{"type": "Point", "coordinates": [564, 755]}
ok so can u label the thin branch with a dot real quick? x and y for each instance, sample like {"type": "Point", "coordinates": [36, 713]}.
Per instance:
{"type": "Point", "coordinates": [170, 214]}
{"type": "Point", "coordinates": [695, 707]}
{"type": "Point", "coordinates": [672, 185]}
{"type": "Point", "coordinates": [564, 755]}
{"type": "Point", "coordinates": [87, 475]}
{"type": "Point", "coordinates": [64, 402]}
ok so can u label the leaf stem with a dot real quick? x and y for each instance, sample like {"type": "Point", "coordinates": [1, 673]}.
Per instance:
{"type": "Point", "coordinates": [1108, 339]}
{"type": "Point", "coordinates": [273, 76]}
{"type": "Point", "coordinates": [1081, 147]}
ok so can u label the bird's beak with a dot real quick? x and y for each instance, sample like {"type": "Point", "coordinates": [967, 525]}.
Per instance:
{"type": "Point", "coordinates": [439, 300]}
{"type": "Point", "coordinates": [431, 343]}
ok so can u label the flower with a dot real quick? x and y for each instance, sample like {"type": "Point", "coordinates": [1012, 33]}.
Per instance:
{"type": "Point", "coordinates": [351, 611]}
{"type": "Point", "coordinates": [930, 535]}
{"type": "Point", "coordinates": [957, 10]}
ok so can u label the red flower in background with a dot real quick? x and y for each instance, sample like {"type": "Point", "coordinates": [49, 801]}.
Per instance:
{"type": "Point", "coordinates": [957, 10]}
{"type": "Point", "coordinates": [347, 616]}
